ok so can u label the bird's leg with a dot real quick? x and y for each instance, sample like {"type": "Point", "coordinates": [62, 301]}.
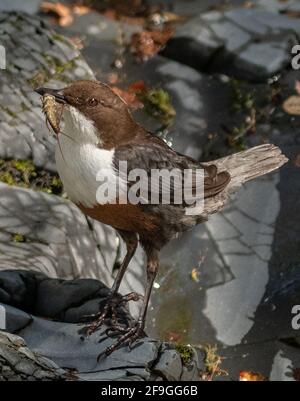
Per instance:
{"type": "Point", "coordinates": [115, 300]}
{"type": "Point", "coordinates": [137, 330]}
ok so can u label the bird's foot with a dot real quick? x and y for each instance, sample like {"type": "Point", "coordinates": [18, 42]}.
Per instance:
{"type": "Point", "coordinates": [113, 303]}
{"type": "Point", "coordinates": [128, 337]}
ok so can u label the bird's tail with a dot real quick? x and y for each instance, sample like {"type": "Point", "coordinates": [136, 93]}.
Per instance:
{"type": "Point", "coordinates": [245, 166]}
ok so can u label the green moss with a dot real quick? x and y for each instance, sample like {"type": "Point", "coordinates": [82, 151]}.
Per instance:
{"type": "Point", "coordinates": [59, 67]}
{"type": "Point", "coordinates": [17, 237]}
{"type": "Point", "coordinates": [157, 103]}
{"type": "Point", "coordinates": [242, 97]}
{"type": "Point", "coordinates": [237, 138]}
{"type": "Point", "coordinates": [58, 37]}
{"type": "Point", "coordinates": [186, 353]}
{"type": "Point", "coordinates": [38, 79]}
{"type": "Point", "coordinates": [44, 75]}
{"type": "Point", "coordinates": [7, 178]}
{"type": "Point", "coordinates": [8, 111]}
{"type": "Point", "coordinates": [24, 173]}
{"type": "Point", "coordinates": [24, 107]}
{"type": "Point", "coordinates": [25, 166]}
{"type": "Point", "coordinates": [56, 182]}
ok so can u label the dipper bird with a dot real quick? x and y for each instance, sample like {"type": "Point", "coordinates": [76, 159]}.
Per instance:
{"type": "Point", "coordinates": [99, 132]}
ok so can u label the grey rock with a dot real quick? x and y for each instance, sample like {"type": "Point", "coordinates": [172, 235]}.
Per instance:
{"type": "Point", "coordinates": [28, 6]}
{"type": "Point", "coordinates": [27, 367]}
{"type": "Point", "coordinates": [61, 241]}
{"type": "Point", "coordinates": [197, 41]}
{"type": "Point", "coordinates": [32, 61]}
{"type": "Point", "coordinates": [67, 300]}
{"type": "Point", "coordinates": [54, 344]}
{"type": "Point", "coordinates": [264, 58]}
{"type": "Point", "coordinates": [144, 374]}
{"type": "Point", "coordinates": [198, 110]}
{"type": "Point", "coordinates": [15, 318]}
{"type": "Point", "coordinates": [62, 344]}
{"type": "Point", "coordinates": [190, 373]}
{"type": "Point", "coordinates": [63, 295]}
{"type": "Point", "coordinates": [24, 64]}
{"type": "Point", "coordinates": [88, 308]}
{"type": "Point", "coordinates": [169, 365]}
{"type": "Point", "coordinates": [192, 7]}
{"type": "Point", "coordinates": [252, 44]}
{"type": "Point", "coordinates": [97, 26]}
{"type": "Point", "coordinates": [246, 20]}
{"type": "Point", "coordinates": [274, 5]}
{"type": "Point", "coordinates": [110, 375]}
{"type": "Point", "coordinates": [6, 355]}
{"type": "Point", "coordinates": [293, 6]}
{"type": "Point", "coordinates": [212, 16]}
{"type": "Point", "coordinates": [234, 37]}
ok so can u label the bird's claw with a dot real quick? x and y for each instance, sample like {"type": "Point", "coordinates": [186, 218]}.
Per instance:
{"type": "Point", "coordinates": [113, 303]}
{"type": "Point", "coordinates": [129, 336]}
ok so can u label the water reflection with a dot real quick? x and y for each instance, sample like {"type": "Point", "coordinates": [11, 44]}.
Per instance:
{"type": "Point", "coordinates": [231, 253]}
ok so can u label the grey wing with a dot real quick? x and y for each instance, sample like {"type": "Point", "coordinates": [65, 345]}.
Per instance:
{"type": "Point", "coordinates": [170, 176]}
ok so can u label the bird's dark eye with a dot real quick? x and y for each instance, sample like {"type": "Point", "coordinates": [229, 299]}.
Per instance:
{"type": "Point", "coordinates": [93, 102]}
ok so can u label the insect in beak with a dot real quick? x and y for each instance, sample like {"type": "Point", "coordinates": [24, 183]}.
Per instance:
{"type": "Point", "coordinates": [56, 93]}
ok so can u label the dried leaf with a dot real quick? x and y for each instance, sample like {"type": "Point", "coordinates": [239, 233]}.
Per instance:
{"type": "Point", "coordinates": [147, 44]}
{"type": "Point", "coordinates": [212, 363]}
{"type": "Point", "coordinates": [81, 10]}
{"type": "Point", "coordinates": [138, 86]}
{"type": "Point", "coordinates": [129, 97]}
{"type": "Point", "coordinates": [292, 105]}
{"type": "Point", "coordinates": [172, 17]}
{"type": "Point", "coordinates": [249, 376]}
{"type": "Point", "coordinates": [62, 12]}
{"type": "Point", "coordinates": [292, 13]}
{"type": "Point", "coordinates": [195, 275]}
{"type": "Point", "coordinates": [249, 4]}
{"type": "Point", "coordinates": [77, 42]}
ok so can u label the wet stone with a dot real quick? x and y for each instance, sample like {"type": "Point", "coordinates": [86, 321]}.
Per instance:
{"type": "Point", "coordinates": [235, 38]}
{"type": "Point", "coordinates": [252, 44]}
{"type": "Point", "coordinates": [24, 64]}
{"type": "Point", "coordinates": [28, 59]}
{"type": "Point", "coordinates": [64, 344]}
{"type": "Point", "coordinates": [64, 236]}
{"type": "Point", "coordinates": [169, 365]}
{"type": "Point", "coordinates": [28, 6]}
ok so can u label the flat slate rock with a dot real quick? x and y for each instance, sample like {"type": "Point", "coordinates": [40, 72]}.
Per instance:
{"type": "Point", "coordinates": [275, 360]}
{"type": "Point", "coordinates": [35, 56]}
{"type": "Point", "coordinates": [58, 240]}
{"type": "Point", "coordinates": [63, 300]}
{"type": "Point", "coordinates": [63, 344]}
{"type": "Point", "coordinates": [28, 6]}
{"type": "Point", "coordinates": [253, 43]}
{"type": "Point", "coordinates": [18, 362]}
{"type": "Point", "coordinates": [48, 330]}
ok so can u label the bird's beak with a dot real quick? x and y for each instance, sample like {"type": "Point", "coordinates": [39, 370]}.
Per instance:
{"type": "Point", "coordinates": [57, 93]}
